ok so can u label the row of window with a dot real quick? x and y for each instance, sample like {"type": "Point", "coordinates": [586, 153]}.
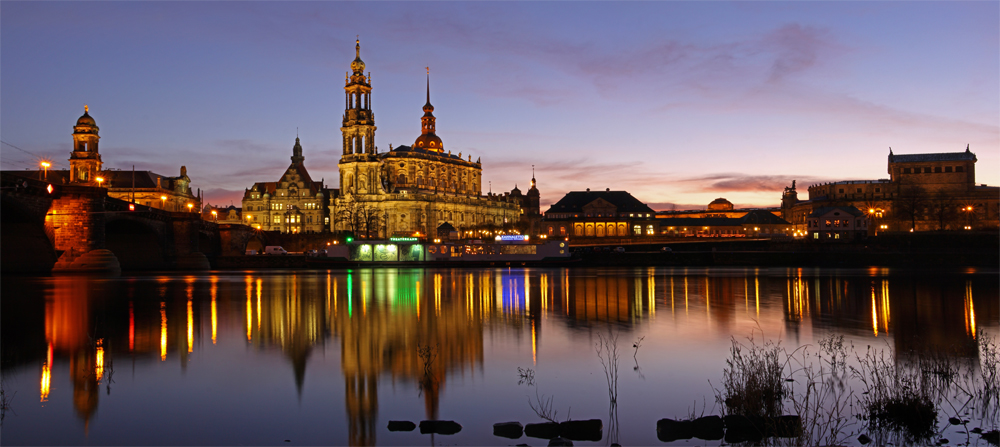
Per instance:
{"type": "Point", "coordinates": [834, 223]}
{"type": "Point", "coordinates": [936, 169]}
{"type": "Point", "coordinates": [858, 190]}
{"type": "Point", "coordinates": [609, 230]}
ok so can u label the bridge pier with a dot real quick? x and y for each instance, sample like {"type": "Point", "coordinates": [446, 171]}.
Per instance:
{"type": "Point", "coordinates": [188, 255]}
{"type": "Point", "coordinates": [76, 222]}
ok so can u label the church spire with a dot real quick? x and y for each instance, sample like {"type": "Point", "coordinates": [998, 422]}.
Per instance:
{"type": "Point", "coordinates": [428, 139]}
{"type": "Point", "coordinates": [297, 152]}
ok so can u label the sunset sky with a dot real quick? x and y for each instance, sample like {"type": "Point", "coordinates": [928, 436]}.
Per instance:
{"type": "Point", "coordinates": [676, 102]}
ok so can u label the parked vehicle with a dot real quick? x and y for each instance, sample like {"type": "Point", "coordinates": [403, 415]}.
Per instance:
{"type": "Point", "coordinates": [274, 250]}
{"type": "Point", "coordinates": [251, 252]}
{"type": "Point", "coordinates": [619, 249]}
{"type": "Point", "coordinates": [666, 249]}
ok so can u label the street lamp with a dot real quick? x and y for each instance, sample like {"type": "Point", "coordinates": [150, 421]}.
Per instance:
{"type": "Point", "coordinates": [45, 166]}
{"type": "Point", "coordinates": [968, 217]}
{"type": "Point", "coordinates": [100, 181]}
{"type": "Point", "coordinates": [190, 206]}
{"type": "Point", "coordinates": [215, 216]}
{"type": "Point", "coordinates": [163, 202]}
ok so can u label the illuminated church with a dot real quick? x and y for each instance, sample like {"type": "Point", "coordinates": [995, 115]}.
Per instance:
{"type": "Point", "coordinates": [408, 189]}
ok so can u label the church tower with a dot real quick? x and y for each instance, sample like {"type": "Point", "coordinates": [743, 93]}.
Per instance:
{"type": "Point", "coordinates": [428, 139]}
{"type": "Point", "coordinates": [85, 160]}
{"type": "Point", "coordinates": [359, 173]}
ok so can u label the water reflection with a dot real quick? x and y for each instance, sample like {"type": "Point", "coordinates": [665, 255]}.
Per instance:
{"type": "Point", "coordinates": [423, 327]}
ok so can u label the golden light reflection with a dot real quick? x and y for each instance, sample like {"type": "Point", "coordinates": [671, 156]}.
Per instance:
{"type": "Point", "coordinates": [970, 311]}
{"type": "Point", "coordinates": [215, 318]}
{"type": "Point", "coordinates": [685, 295]}
{"type": "Point", "coordinates": [131, 327]}
{"type": "Point", "coordinates": [190, 325]}
{"type": "Point", "coordinates": [534, 344]}
{"type": "Point", "coordinates": [46, 380]}
{"type": "Point", "coordinates": [437, 294]}
{"type": "Point", "coordinates": [651, 293]}
{"type": "Point", "coordinates": [99, 363]}
{"type": "Point", "coordinates": [756, 291]}
{"type": "Point", "coordinates": [163, 331]}
{"type": "Point", "coordinates": [260, 283]}
{"type": "Point", "coordinates": [249, 312]}
{"type": "Point", "coordinates": [874, 314]}
{"type": "Point", "coordinates": [671, 295]}
{"type": "Point", "coordinates": [885, 306]}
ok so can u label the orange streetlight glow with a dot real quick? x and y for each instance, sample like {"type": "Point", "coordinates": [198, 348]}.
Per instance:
{"type": "Point", "coordinates": [45, 166]}
{"type": "Point", "coordinates": [190, 206]}
{"type": "Point", "coordinates": [215, 215]}
{"type": "Point", "coordinates": [100, 181]}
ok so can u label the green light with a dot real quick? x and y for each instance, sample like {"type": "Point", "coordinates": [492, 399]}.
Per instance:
{"type": "Point", "coordinates": [349, 239]}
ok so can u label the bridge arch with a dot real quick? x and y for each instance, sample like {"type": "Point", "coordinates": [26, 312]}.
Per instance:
{"type": "Point", "coordinates": [137, 245]}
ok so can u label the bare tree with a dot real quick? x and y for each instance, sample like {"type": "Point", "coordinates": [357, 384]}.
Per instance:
{"type": "Point", "coordinates": [944, 209]}
{"type": "Point", "coordinates": [910, 204]}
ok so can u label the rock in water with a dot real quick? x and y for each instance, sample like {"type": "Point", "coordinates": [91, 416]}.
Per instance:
{"type": "Point", "coordinates": [544, 430]}
{"type": "Point", "coordinates": [559, 441]}
{"type": "Point", "coordinates": [401, 426]}
{"type": "Point", "coordinates": [669, 430]}
{"type": "Point", "coordinates": [582, 430]}
{"type": "Point", "coordinates": [707, 428]}
{"type": "Point", "coordinates": [440, 427]}
{"type": "Point", "coordinates": [511, 430]}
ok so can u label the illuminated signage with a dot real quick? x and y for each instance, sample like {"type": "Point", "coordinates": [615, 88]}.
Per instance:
{"type": "Point", "coordinates": [512, 237]}
{"type": "Point", "coordinates": [403, 239]}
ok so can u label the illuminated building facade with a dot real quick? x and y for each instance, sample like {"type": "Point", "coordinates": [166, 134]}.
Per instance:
{"type": "Point", "coordinates": [141, 187]}
{"type": "Point", "coordinates": [600, 214]}
{"type": "Point", "coordinates": [409, 188]}
{"type": "Point", "coordinates": [293, 204]}
{"type": "Point", "coordinates": [924, 192]}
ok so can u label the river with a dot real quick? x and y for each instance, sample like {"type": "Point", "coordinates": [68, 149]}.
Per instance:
{"type": "Point", "coordinates": [328, 357]}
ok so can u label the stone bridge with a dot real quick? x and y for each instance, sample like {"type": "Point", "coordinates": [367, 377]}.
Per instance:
{"type": "Point", "coordinates": [63, 229]}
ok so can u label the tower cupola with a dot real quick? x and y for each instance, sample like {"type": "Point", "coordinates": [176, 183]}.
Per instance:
{"type": "Point", "coordinates": [428, 139]}
{"type": "Point", "coordinates": [85, 160]}
{"type": "Point", "coordinates": [297, 157]}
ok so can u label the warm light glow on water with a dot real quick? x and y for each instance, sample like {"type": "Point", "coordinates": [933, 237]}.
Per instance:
{"type": "Point", "coordinates": [99, 361]}
{"type": "Point", "coordinates": [163, 331]}
{"type": "Point", "coordinates": [215, 321]}
{"type": "Point", "coordinates": [970, 311]}
{"type": "Point", "coordinates": [336, 370]}
{"type": "Point", "coordinates": [46, 381]}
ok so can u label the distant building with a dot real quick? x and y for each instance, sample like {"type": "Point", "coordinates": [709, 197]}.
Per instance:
{"type": "Point", "coordinates": [837, 223]}
{"type": "Point", "coordinates": [140, 187]}
{"type": "Point", "coordinates": [755, 223]}
{"type": "Point", "coordinates": [600, 214]}
{"type": "Point", "coordinates": [717, 208]}
{"type": "Point", "coordinates": [293, 204]}
{"type": "Point", "coordinates": [408, 189]}
{"type": "Point", "coordinates": [924, 192]}
{"type": "Point", "coordinates": [223, 215]}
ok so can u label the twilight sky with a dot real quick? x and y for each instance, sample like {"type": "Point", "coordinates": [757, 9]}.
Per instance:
{"type": "Point", "coordinates": [675, 102]}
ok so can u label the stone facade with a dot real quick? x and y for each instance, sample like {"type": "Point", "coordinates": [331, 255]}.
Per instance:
{"type": "Point", "coordinates": [585, 214]}
{"type": "Point", "coordinates": [409, 189]}
{"type": "Point", "coordinates": [293, 204]}
{"type": "Point", "coordinates": [924, 192]}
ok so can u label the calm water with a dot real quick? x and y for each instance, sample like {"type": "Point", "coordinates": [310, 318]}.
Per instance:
{"type": "Point", "coordinates": [329, 357]}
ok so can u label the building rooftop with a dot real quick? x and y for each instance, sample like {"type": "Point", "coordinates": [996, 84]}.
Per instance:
{"type": "Point", "coordinates": [574, 201]}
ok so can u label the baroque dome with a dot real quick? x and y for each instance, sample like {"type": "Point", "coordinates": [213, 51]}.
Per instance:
{"type": "Point", "coordinates": [86, 119]}
{"type": "Point", "coordinates": [429, 141]}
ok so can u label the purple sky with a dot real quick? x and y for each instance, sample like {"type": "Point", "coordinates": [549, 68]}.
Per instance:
{"type": "Point", "coordinates": [675, 102]}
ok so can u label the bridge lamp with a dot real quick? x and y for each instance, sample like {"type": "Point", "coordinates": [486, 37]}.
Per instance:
{"type": "Point", "coordinates": [45, 166]}
{"type": "Point", "coordinates": [215, 216]}
{"type": "Point", "coordinates": [190, 207]}
{"type": "Point", "coordinates": [100, 181]}
{"type": "Point", "coordinates": [163, 200]}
